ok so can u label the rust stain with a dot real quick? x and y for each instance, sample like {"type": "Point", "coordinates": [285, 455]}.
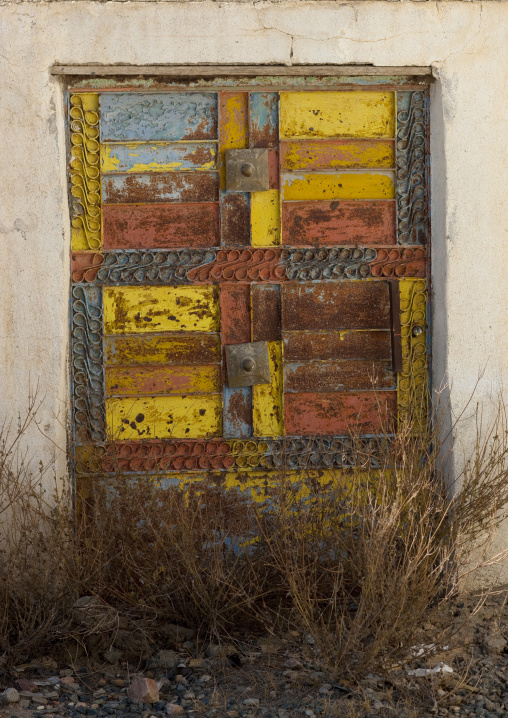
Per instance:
{"type": "Point", "coordinates": [335, 306]}
{"type": "Point", "coordinates": [234, 317]}
{"type": "Point", "coordinates": [161, 226]}
{"type": "Point", "coordinates": [235, 313]}
{"type": "Point", "coordinates": [237, 415]}
{"type": "Point", "coordinates": [318, 223]}
{"type": "Point", "coordinates": [235, 220]}
{"type": "Point", "coordinates": [265, 301]}
{"type": "Point", "coordinates": [273, 169]}
{"type": "Point", "coordinates": [338, 376]}
{"type": "Point", "coordinates": [171, 187]}
{"type": "Point", "coordinates": [85, 266]}
{"type": "Point", "coordinates": [349, 345]}
{"type": "Point", "coordinates": [335, 413]}
{"type": "Point", "coordinates": [399, 262]}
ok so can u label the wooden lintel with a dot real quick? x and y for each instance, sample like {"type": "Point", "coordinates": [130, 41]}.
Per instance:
{"type": "Point", "coordinates": [236, 70]}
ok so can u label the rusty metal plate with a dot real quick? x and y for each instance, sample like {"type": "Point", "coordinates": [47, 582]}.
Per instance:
{"type": "Point", "coordinates": [247, 170]}
{"type": "Point", "coordinates": [248, 364]}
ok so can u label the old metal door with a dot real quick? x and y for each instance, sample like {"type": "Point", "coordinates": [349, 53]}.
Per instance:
{"type": "Point", "coordinates": [313, 241]}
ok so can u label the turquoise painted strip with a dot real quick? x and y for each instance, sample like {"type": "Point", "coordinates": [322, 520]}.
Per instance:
{"type": "Point", "coordinates": [160, 157]}
{"type": "Point", "coordinates": [159, 116]}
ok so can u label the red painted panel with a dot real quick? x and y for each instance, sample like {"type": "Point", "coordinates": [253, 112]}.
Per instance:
{"type": "Point", "coordinates": [329, 414]}
{"type": "Point", "coordinates": [335, 306]}
{"type": "Point", "coordinates": [160, 225]}
{"type": "Point", "coordinates": [265, 301]}
{"type": "Point", "coordinates": [171, 187]}
{"type": "Point", "coordinates": [321, 223]}
{"type": "Point", "coordinates": [235, 313]}
{"type": "Point", "coordinates": [338, 376]}
{"type": "Point", "coordinates": [162, 379]}
{"type": "Point", "coordinates": [235, 220]}
{"type": "Point", "coordinates": [302, 346]}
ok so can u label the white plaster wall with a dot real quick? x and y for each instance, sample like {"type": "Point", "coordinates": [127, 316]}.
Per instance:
{"type": "Point", "coordinates": [466, 44]}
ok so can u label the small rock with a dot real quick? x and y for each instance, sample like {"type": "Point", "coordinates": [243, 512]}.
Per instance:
{"type": "Point", "coordinates": [196, 662]}
{"type": "Point", "coordinates": [66, 680]}
{"type": "Point", "coordinates": [113, 655]}
{"type": "Point", "coordinates": [212, 650]}
{"type": "Point", "coordinates": [24, 703]}
{"type": "Point", "coordinates": [93, 613]}
{"type": "Point", "coordinates": [177, 634]}
{"type": "Point", "coordinates": [144, 690]}
{"type": "Point", "coordinates": [205, 678]}
{"type": "Point", "coordinates": [292, 663]}
{"type": "Point", "coordinates": [253, 702]}
{"type": "Point", "coordinates": [118, 682]}
{"type": "Point", "coordinates": [11, 695]}
{"type": "Point", "coordinates": [173, 709]}
{"type": "Point", "coordinates": [164, 659]}
{"type": "Point", "coordinates": [25, 684]}
{"type": "Point", "coordinates": [494, 643]}
{"type": "Point", "coordinates": [39, 699]}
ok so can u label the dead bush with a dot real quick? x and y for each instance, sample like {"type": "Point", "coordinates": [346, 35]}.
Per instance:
{"type": "Point", "coordinates": [355, 559]}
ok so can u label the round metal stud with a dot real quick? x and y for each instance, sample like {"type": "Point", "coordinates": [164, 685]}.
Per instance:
{"type": "Point", "coordinates": [417, 330]}
{"type": "Point", "coordinates": [248, 364]}
{"type": "Point", "coordinates": [247, 169]}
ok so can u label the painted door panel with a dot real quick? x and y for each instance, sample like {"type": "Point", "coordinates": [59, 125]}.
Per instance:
{"type": "Point", "coordinates": [328, 266]}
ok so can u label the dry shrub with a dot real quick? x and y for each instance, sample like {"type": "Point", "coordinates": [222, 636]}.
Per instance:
{"type": "Point", "coordinates": [356, 561]}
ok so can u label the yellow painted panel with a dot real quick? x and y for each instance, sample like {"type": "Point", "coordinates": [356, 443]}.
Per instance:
{"type": "Point", "coordinates": [337, 114]}
{"type": "Point", "coordinates": [347, 185]}
{"type": "Point", "coordinates": [130, 310]}
{"type": "Point", "coordinates": [265, 218]}
{"type": "Point", "coordinates": [165, 417]}
{"type": "Point", "coordinates": [234, 126]}
{"type": "Point", "coordinates": [412, 381]}
{"type": "Point", "coordinates": [162, 349]}
{"type": "Point", "coordinates": [330, 154]}
{"type": "Point", "coordinates": [157, 379]}
{"type": "Point", "coordinates": [267, 414]}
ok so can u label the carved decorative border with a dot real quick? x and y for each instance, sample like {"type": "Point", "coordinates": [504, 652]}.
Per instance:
{"type": "Point", "coordinates": [181, 266]}
{"type": "Point", "coordinates": [411, 149]}
{"type": "Point", "coordinates": [223, 455]}
{"type": "Point", "coordinates": [85, 171]}
{"type": "Point", "coordinates": [86, 357]}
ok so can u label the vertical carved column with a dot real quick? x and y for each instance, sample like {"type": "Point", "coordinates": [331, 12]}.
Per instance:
{"type": "Point", "coordinates": [87, 364]}
{"type": "Point", "coordinates": [411, 148]}
{"type": "Point", "coordinates": [412, 383]}
{"type": "Point", "coordinates": [85, 171]}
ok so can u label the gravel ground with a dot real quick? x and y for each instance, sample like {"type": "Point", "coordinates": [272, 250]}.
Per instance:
{"type": "Point", "coordinates": [276, 678]}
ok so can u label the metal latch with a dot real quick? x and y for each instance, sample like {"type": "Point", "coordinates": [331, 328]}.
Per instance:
{"type": "Point", "coordinates": [247, 170]}
{"type": "Point", "coordinates": [248, 364]}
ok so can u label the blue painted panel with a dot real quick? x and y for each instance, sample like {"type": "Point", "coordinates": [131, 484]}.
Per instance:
{"type": "Point", "coordinates": [264, 119]}
{"type": "Point", "coordinates": [158, 157]}
{"type": "Point", "coordinates": [237, 415]}
{"type": "Point", "coordinates": [159, 116]}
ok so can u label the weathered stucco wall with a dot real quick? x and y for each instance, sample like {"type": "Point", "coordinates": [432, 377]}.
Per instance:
{"type": "Point", "coordinates": [463, 43]}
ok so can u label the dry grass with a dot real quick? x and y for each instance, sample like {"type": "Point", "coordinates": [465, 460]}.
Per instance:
{"type": "Point", "coordinates": [357, 562]}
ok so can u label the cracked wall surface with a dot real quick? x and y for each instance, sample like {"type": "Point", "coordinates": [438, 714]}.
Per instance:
{"type": "Point", "coordinates": [463, 42]}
